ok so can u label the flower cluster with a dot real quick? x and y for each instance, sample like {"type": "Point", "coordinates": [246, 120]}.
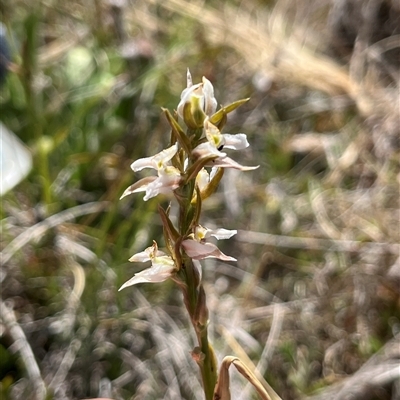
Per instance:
{"type": "Point", "coordinates": [190, 169]}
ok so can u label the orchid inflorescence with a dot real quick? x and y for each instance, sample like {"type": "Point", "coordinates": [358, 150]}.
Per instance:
{"type": "Point", "coordinates": [190, 169]}
{"type": "Point", "coordinates": [183, 166]}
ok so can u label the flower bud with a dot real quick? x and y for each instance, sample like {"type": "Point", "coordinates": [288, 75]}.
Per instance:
{"type": "Point", "coordinates": [197, 102]}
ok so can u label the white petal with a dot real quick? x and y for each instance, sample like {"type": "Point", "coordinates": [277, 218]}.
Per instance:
{"type": "Point", "coordinates": [185, 97]}
{"type": "Point", "coordinates": [138, 165]}
{"type": "Point", "coordinates": [206, 150]}
{"type": "Point", "coordinates": [200, 251]}
{"type": "Point", "coordinates": [143, 256]}
{"type": "Point", "coordinates": [235, 142]}
{"type": "Point", "coordinates": [147, 255]}
{"type": "Point", "coordinates": [188, 92]}
{"type": "Point", "coordinates": [210, 102]}
{"type": "Point", "coordinates": [185, 164]}
{"type": "Point", "coordinates": [139, 186]}
{"type": "Point", "coordinates": [220, 233]}
{"type": "Point", "coordinates": [157, 188]}
{"type": "Point", "coordinates": [168, 180]}
{"type": "Point", "coordinates": [213, 172]}
{"type": "Point", "coordinates": [202, 179]}
{"type": "Point", "coordinates": [154, 274]}
{"type": "Point", "coordinates": [164, 156]}
{"type": "Point", "coordinates": [152, 190]}
{"type": "Point", "coordinates": [156, 161]}
{"type": "Point", "coordinates": [189, 80]}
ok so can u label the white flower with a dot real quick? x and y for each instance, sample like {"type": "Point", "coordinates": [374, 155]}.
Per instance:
{"type": "Point", "coordinates": [224, 140]}
{"type": "Point", "coordinates": [167, 181]}
{"type": "Point", "coordinates": [198, 249]}
{"type": "Point", "coordinates": [168, 178]}
{"type": "Point", "coordinates": [200, 233]}
{"type": "Point", "coordinates": [204, 91]}
{"type": "Point", "coordinates": [216, 141]}
{"type": "Point", "coordinates": [221, 160]}
{"type": "Point", "coordinates": [161, 268]}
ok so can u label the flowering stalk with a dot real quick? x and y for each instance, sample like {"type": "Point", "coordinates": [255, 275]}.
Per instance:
{"type": "Point", "coordinates": [190, 169]}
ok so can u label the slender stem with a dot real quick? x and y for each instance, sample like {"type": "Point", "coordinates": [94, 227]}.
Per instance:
{"type": "Point", "coordinates": [208, 366]}
{"type": "Point", "coordinates": [186, 211]}
{"type": "Point", "coordinates": [195, 302]}
{"type": "Point", "coordinates": [192, 293]}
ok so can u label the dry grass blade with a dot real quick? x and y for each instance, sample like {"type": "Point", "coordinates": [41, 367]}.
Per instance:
{"type": "Point", "coordinates": [321, 215]}
{"type": "Point", "coordinates": [273, 337]}
{"type": "Point", "coordinates": [244, 359]}
{"type": "Point", "coordinates": [267, 46]}
{"type": "Point", "coordinates": [39, 229]}
{"type": "Point", "coordinates": [379, 371]}
{"type": "Point", "coordinates": [222, 391]}
{"type": "Point", "coordinates": [22, 346]}
{"type": "Point", "coordinates": [67, 324]}
{"type": "Point", "coordinates": [172, 349]}
{"type": "Point", "coordinates": [268, 239]}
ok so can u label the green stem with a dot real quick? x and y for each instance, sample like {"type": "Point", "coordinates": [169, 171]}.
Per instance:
{"type": "Point", "coordinates": [192, 294]}
{"type": "Point", "coordinates": [195, 302]}
{"type": "Point", "coordinates": [209, 366]}
{"type": "Point", "coordinates": [186, 211]}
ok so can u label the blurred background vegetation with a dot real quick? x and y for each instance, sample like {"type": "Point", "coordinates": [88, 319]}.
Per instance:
{"type": "Point", "coordinates": [313, 300]}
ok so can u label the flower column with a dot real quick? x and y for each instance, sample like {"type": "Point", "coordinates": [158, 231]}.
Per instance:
{"type": "Point", "coordinates": [190, 169]}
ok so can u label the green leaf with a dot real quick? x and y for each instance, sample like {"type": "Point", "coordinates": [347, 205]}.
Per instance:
{"type": "Point", "coordinates": [219, 116]}
{"type": "Point", "coordinates": [178, 131]}
{"type": "Point", "coordinates": [169, 228]}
